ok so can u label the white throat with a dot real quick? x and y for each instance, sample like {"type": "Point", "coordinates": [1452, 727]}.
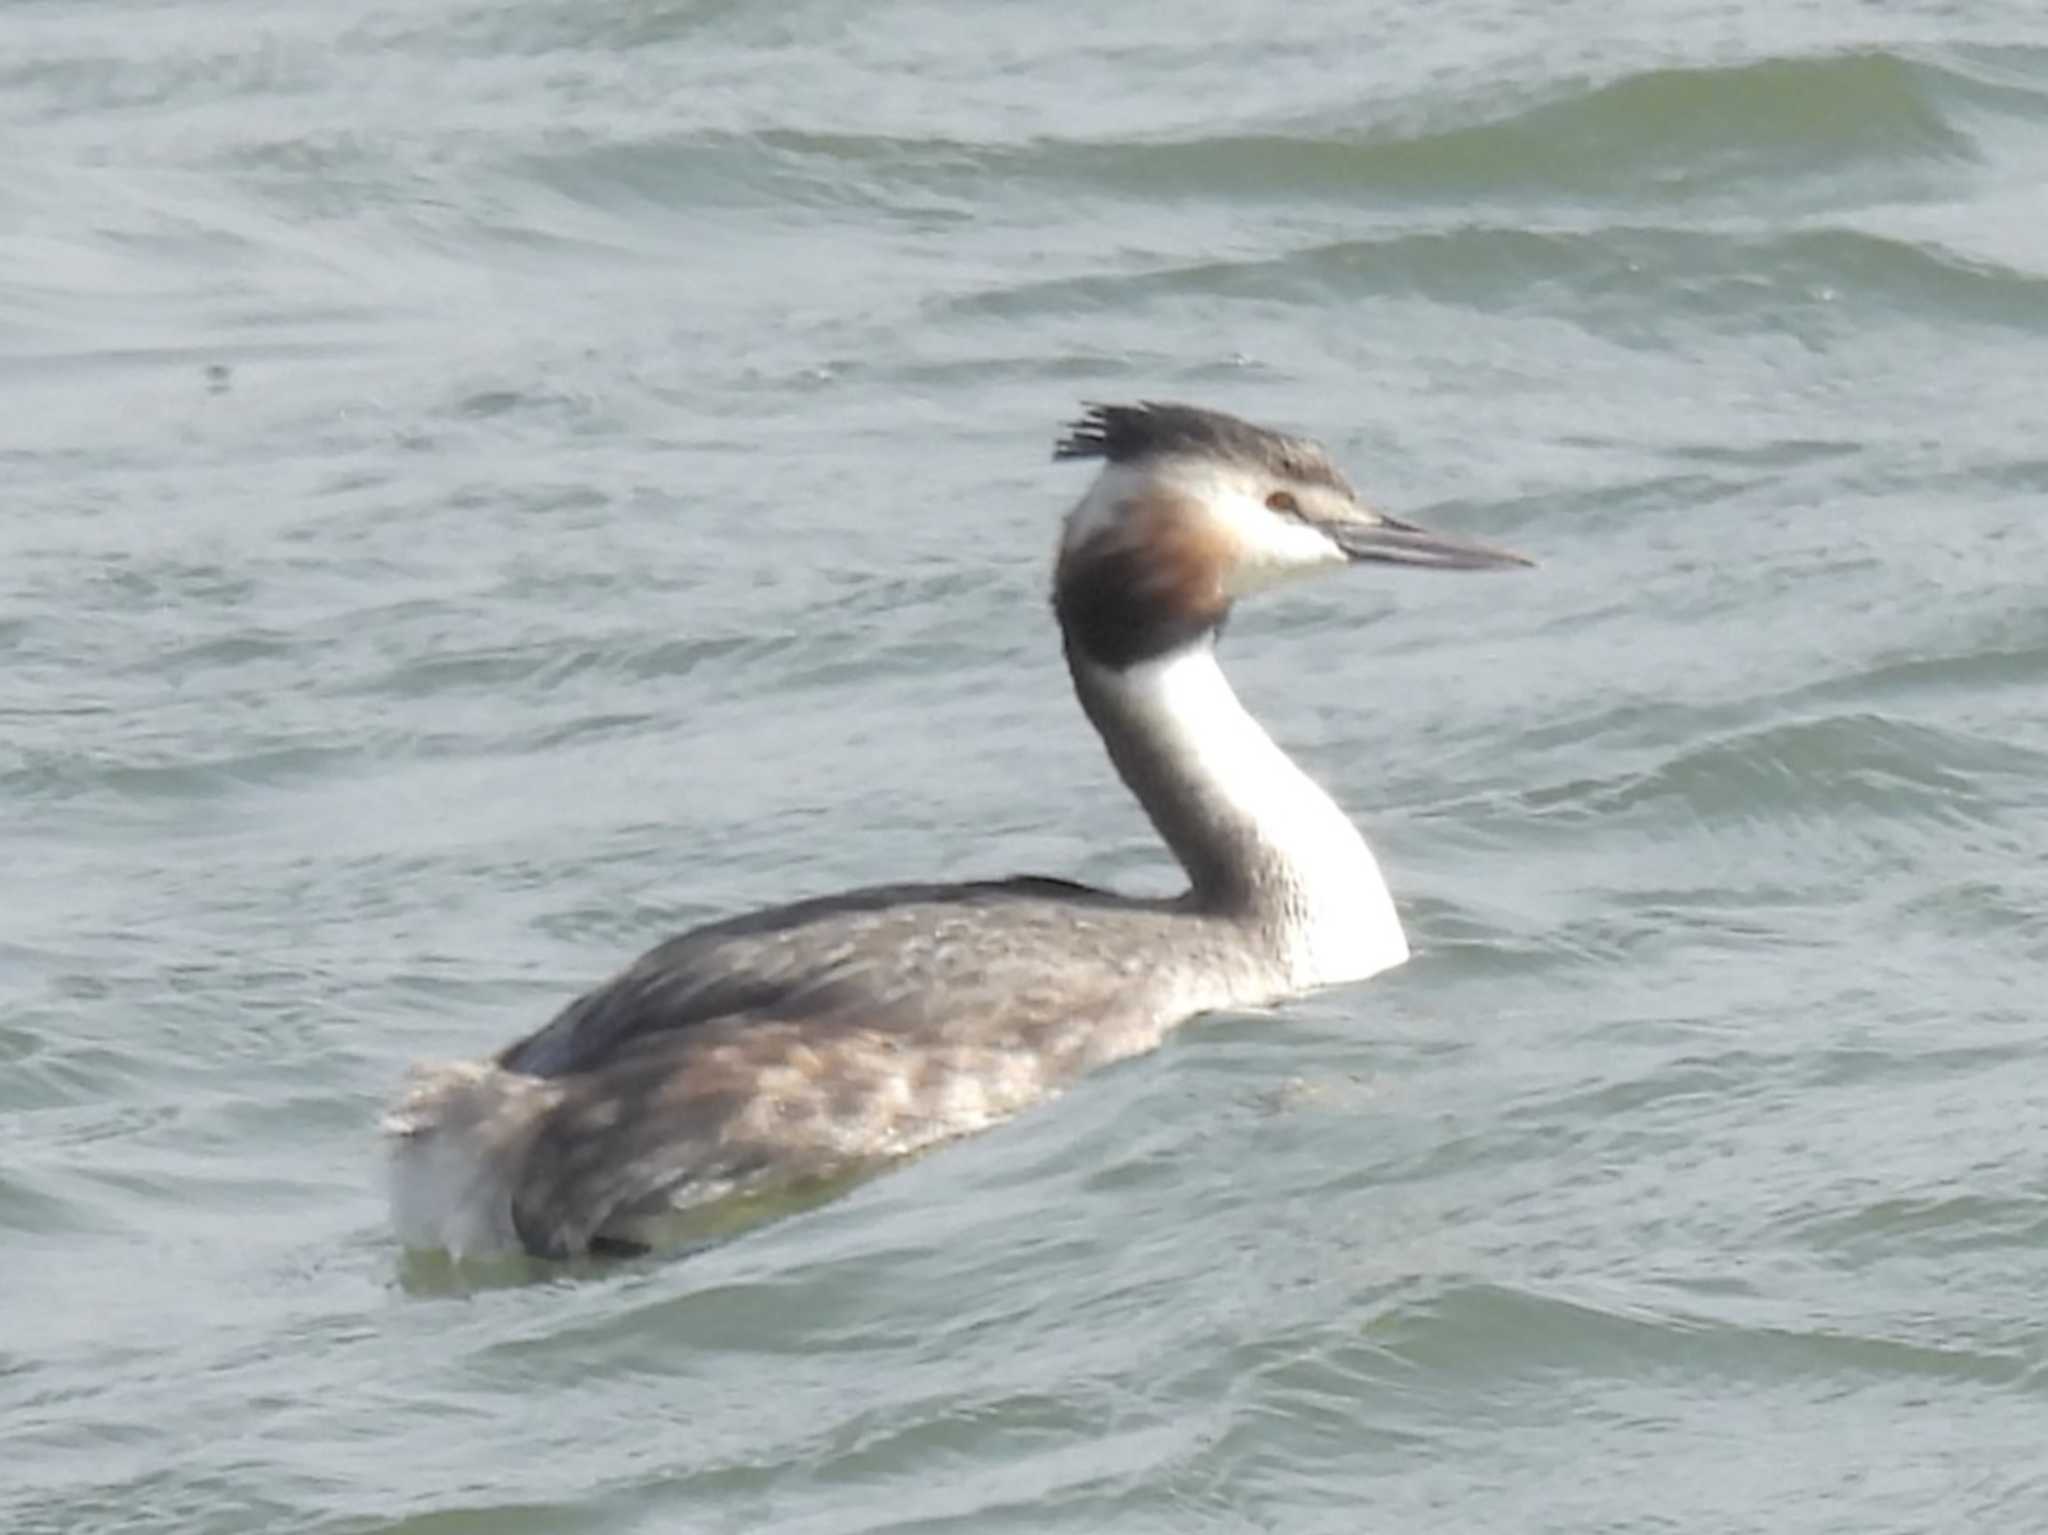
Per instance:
{"type": "Point", "coordinates": [1239, 813]}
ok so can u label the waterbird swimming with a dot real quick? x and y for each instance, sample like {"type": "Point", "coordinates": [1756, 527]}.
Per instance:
{"type": "Point", "coordinates": [786, 1047]}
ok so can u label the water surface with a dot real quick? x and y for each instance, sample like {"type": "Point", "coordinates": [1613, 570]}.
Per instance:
{"type": "Point", "coordinates": [491, 485]}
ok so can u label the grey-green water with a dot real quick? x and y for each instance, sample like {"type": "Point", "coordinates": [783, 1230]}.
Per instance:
{"type": "Point", "coordinates": [490, 484]}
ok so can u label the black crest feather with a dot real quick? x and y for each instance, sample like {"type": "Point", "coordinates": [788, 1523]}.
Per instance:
{"type": "Point", "coordinates": [1129, 434]}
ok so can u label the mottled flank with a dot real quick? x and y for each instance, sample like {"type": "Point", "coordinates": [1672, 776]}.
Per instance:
{"type": "Point", "coordinates": [793, 1045]}
{"type": "Point", "coordinates": [1131, 434]}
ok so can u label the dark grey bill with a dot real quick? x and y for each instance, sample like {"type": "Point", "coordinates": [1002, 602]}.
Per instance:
{"type": "Point", "coordinates": [1389, 542]}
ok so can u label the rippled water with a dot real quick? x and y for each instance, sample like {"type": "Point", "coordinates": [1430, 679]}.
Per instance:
{"type": "Point", "coordinates": [490, 485]}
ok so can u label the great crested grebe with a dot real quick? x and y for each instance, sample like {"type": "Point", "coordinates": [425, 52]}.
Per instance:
{"type": "Point", "coordinates": [790, 1046]}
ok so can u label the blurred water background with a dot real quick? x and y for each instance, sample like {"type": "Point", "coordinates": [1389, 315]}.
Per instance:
{"type": "Point", "coordinates": [490, 484]}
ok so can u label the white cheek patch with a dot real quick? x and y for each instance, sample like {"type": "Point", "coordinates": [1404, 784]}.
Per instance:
{"type": "Point", "coordinates": [1272, 548]}
{"type": "Point", "coordinates": [1265, 547]}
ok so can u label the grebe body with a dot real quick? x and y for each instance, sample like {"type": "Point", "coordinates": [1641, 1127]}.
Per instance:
{"type": "Point", "coordinates": [791, 1046]}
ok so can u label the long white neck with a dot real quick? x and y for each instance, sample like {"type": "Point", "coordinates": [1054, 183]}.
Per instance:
{"type": "Point", "coordinates": [1259, 839]}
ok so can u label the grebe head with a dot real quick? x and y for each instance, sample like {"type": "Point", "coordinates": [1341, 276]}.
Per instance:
{"type": "Point", "coordinates": [1194, 509]}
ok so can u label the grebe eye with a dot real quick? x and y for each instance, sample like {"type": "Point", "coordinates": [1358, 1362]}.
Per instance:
{"type": "Point", "coordinates": [1283, 501]}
